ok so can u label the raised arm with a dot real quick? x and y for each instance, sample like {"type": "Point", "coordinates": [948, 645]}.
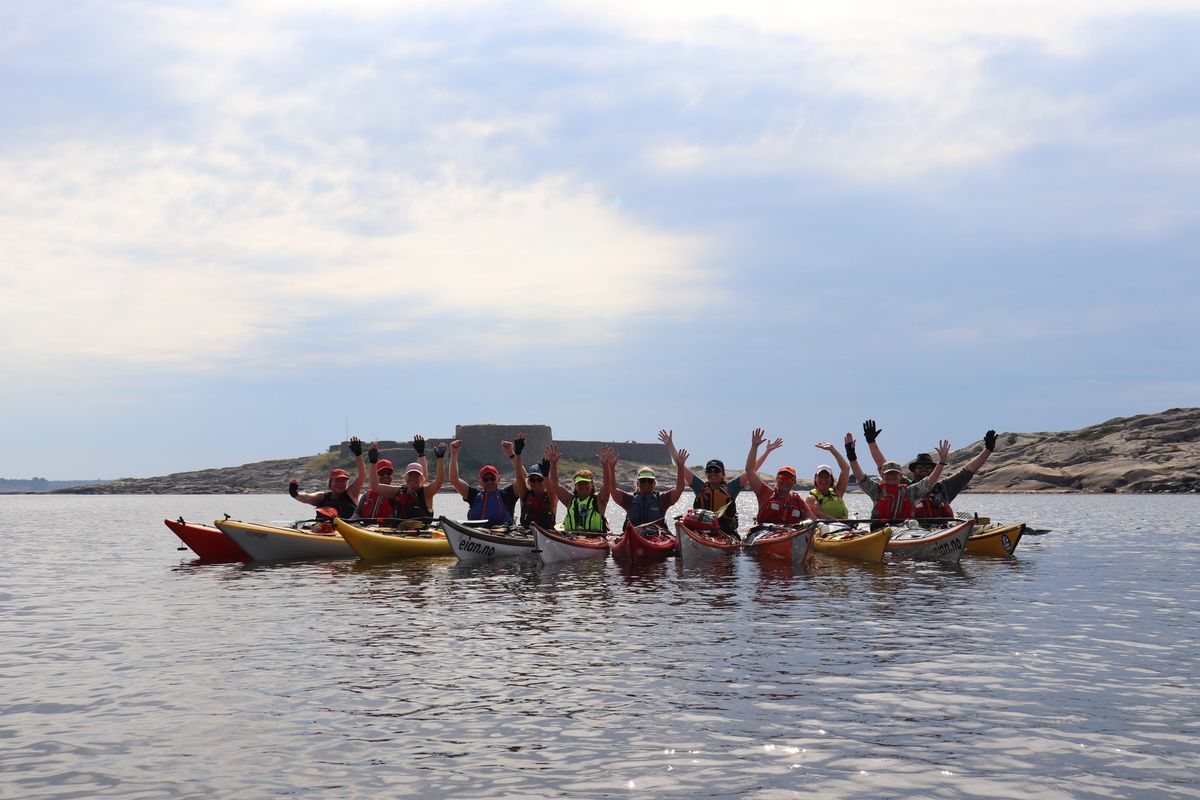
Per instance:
{"type": "Point", "coordinates": [556, 488]}
{"type": "Point", "coordinates": [608, 462]}
{"type": "Point", "coordinates": [609, 473]}
{"type": "Point", "coordinates": [418, 446]}
{"type": "Point", "coordinates": [458, 483]}
{"type": "Point", "coordinates": [304, 497]}
{"type": "Point", "coordinates": [681, 477]}
{"type": "Point", "coordinates": [771, 448]}
{"type": "Point", "coordinates": [943, 451]}
{"type": "Point", "coordinates": [852, 457]}
{"type": "Point", "coordinates": [520, 487]}
{"type": "Point", "coordinates": [989, 446]}
{"type": "Point", "coordinates": [439, 454]}
{"type": "Point", "coordinates": [666, 437]}
{"type": "Point", "coordinates": [757, 437]}
{"type": "Point", "coordinates": [843, 479]}
{"type": "Point", "coordinates": [870, 433]}
{"type": "Point", "coordinates": [355, 487]}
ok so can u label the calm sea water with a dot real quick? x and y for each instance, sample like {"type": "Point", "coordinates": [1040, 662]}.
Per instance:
{"type": "Point", "coordinates": [129, 670]}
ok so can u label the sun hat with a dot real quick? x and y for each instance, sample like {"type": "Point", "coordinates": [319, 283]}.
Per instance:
{"type": "Point", "coordinates": [922, 459]}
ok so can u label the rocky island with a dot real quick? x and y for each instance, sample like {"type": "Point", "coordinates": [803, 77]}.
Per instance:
{"type": "Point", "coordinates": [1146, 453]}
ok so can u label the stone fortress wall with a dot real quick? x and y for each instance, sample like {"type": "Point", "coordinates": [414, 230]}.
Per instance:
{"type": "Point", "coordinates": [481, 445]}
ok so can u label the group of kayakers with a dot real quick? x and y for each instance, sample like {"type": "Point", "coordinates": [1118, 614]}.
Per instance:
{"type": "Point", "coordinates": [920, 495]}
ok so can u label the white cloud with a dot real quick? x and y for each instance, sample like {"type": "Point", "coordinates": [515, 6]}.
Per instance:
{"type": "Point", "coordinates": [184, 256]}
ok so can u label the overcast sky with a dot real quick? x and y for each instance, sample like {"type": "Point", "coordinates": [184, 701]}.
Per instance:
{"type": "Point", "coordinates": [237, 231]}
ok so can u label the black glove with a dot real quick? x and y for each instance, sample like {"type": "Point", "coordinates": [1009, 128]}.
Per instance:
{"type": "Point", "coordinates": [850, 454]}
{"type": "Point", "coordinates": [294, 488]}
{"type": "Point", "coordinates": [519, 444]}
{"type": "Point", "coordinates": [356, 446]}
{"type": "Point", "coordinates": [373, 455]}
{"type": "Point", "coordinates": [989, 441]}
{"type": "Point", "coordinates": [870, 432]}
{"type": "Point", "coordinates": [544, 465]}
{"type": "Point", "coordinates": [419, 445]}
{"type": "Point", "coordinates": [440, 451]}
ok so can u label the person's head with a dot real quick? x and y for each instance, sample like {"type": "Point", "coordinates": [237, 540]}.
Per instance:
{"type": "Point", "coordinates": [890, 473]}
{"type": "Point", "coordinates": [714, 471]}
{"type": "Point", "coordinates": [921, 466]}
{"type": "Point", "coordinates": [489, 477]}
{"type": "Point", "coordinates": [823, 478]}
{"type": "Point", "coordinates": [534, 479]}
{"type": "Point", "coordinates": [339, 480]}
{"type": "Point", "coordinates": [584, 484]}
{"type": "Point", "coordinates": [385, 470]}
{"type": "Point", "coordinates": [414, 475]}
{"type": "Point", "coordinates": [785, 479]}
{"type": "Point", "coordinates": [646, 480]}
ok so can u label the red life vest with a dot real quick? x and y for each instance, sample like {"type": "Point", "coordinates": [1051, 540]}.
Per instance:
{"type": "Point", "coordinates": [536, 507]}
{"type": "Point", "coordinates": [893, 503]}
{"type": "Point", "coordinates": [788, 508]}
{"type": "Point", "coordinates": [373, 506]}
{"type": "Point", "coordinates": [410, 505]}
{"type": "Point", "coordinates": [934, 507]}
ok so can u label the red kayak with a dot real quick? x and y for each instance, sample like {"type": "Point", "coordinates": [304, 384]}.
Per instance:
{"type": "Point", "coordinates": [782, 542]}
{"type": "Point", "coordinates": [650, 542]}
{"type": "Point", "coordinates": [207, 542]}
{"type": "Point", "coordinates": [702, 545]}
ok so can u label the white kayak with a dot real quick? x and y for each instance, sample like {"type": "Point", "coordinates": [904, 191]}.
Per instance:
{"type": "Point", "coordinates": [930, 544]}
{"type": "Point", "coordinates": [556, 545]}
{"type": "Point", "coordinates": [272, 543]}
{"type": "Point", "coordinates": [476, 543]}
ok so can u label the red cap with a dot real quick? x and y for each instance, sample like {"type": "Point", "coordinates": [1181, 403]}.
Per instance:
{"type": "Point", "coordinates": [486, 468]}
{"type": "Point", "coordinates": [338, 473]}
{"type": "Point", "coordinates": [789, 471]}
{"type": "Point", "coordinates": [384, 464]}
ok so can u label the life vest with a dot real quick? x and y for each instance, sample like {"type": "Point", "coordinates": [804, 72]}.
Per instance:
{"type": "Point", "coordinates": [893, 503]}
{"type": "Point", "coordinates": [410, 505]}
{"type": "Point", "coordinates": [582, 515]}
{"type": "Point", "coordinates": [343, 502]}
{"type": "Point", "coordinates": [934, 505]}
{"type": "Point", "coordinates": [537, 507]}
{"type": "Point", "coordinates": [787, 508]}
{"type": "Point", "coordinates": [716, 499]}
{"type": "Point", "coordinates": [831, 504]}
{"type": "Point", "coordinates": [645, 508]}
{"type": "Point", "coordinates": [373, 506]}
{"type": "Point", "coordinates": [490, 505]}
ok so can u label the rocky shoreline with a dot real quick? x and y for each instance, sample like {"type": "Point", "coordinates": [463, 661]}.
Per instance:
{"type": "Point", "coordinates": [1145, 454]}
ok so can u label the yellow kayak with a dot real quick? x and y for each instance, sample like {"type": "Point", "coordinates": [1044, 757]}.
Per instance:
{"type": "Point", "coordinates": [853, 543]}
{"type": "Point", "coordinates": [995, 540]}
{"type": "Point", "coordinates": [377, 544]}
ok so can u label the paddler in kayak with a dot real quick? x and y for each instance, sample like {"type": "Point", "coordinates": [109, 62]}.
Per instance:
{"type": "Point", "coordinates": [716, 494]}
{"type": "Point", "coordinates": [645, 506]}
{"type": "Point", "coordinates": [488, 501]}
{"type": "Point", "coordinates": [537, 504]}
{"type": "Point", "coordinates": [936, 504]}
{"type": "Point", "coordinates": [585, 508]}
{"type": "Point", "coordinates": [341, 493]}
{"type": "Point", "coordinates": [827, 499]}
{"type": "Point", "coordinates": [373, 505]}
{"type": "Point", "coordinates": [894, 499]}
{"type": "Point", "coordinates": [413, 500]}
{"type": "Point", "coordinates": [781, 505]}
